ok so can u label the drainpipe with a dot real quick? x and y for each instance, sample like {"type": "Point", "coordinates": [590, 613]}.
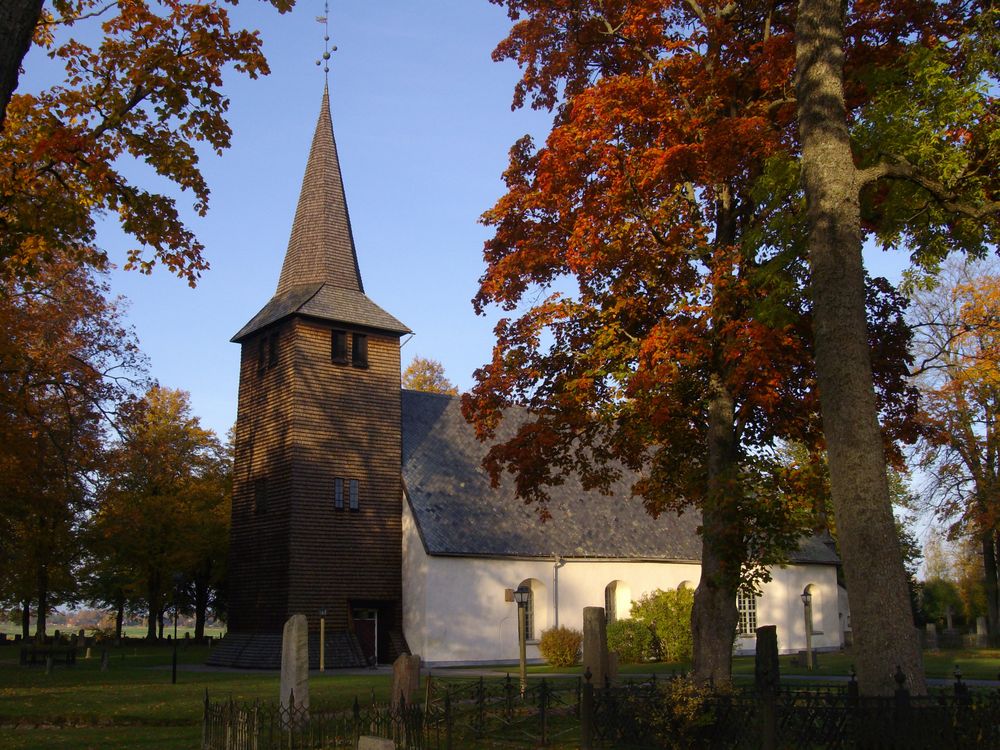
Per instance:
{"type": "Point", "coordinates": [559, 562]}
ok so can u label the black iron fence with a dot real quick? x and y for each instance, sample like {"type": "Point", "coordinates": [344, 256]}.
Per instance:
{"type": "Point", "coordinates": [654, 714]}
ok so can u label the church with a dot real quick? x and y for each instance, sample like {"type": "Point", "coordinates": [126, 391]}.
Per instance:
{"type": "Point", "coordinates": [364, 506]}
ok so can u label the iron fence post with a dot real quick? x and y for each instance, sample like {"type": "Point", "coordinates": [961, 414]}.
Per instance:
{"type": "Point", "coordinates": [508, 693]}
{"type": "Point", "coordinates": [587, 713]}
{"type": "Point", "coordinates": [543, 694]}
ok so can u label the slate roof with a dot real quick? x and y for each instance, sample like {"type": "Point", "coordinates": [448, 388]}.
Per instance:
{"type": "Point", "coordinates": [320, 276]}
{"type": "Point", "coordinates": [459, 513]}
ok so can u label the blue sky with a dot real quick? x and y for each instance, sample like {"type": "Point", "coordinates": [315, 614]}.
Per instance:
{"type": "Point", "coordinates": [423, 124]}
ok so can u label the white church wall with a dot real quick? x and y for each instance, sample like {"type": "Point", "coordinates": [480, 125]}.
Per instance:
{"type": "Point", "coordinates": [781, 605]}
{"type": "Point", "coordinates": [414, 583]}
{"type": "Point", "coordinates": [467, 620]}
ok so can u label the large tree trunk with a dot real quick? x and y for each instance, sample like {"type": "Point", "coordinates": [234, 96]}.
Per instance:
{"type": "Point", "coordinates": [714, 616]}
{"type": "Point", "coordinates": [18, 19]}
{"type": "Point", "coordinates": [873, 565]}
{"type": "Point", "coordinates": [989, 543]}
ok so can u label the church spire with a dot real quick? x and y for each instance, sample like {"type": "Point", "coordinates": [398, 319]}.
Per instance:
{"type": "Point", "coordinates": [321, 247]}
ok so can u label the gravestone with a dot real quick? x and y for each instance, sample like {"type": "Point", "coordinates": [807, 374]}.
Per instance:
{"type": "Point", "coordinates": [982, 633]}
{"type": "Point", "coordinates": [105, 659]}
{"type": "Point", "coordinates": [405, 678]}
{"type": "Point", "coordinates": [295, 664]}
{"type": "Point", "coordinates": [375, 743]}
{"type": "Point", "coordinates": [766, 669]}
{"type": "Point", "coordinates": [595, 645]}
{"type": "Point", "coordinates": [931, 638]}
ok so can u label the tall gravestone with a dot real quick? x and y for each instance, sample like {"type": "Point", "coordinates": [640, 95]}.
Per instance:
{"type": "Point", "coordinates": [295, 664]}
{"type": "Point", "coordinates": [931, 639]}
{"type": "Point", "coordinates": [405, 678]}
{"type": "Point", "coordinates": [595, 645]}
{"type": "Point", "coordinates": [982, 633]}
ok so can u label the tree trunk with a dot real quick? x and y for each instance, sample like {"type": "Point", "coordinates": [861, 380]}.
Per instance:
{"type": "Point", "coordinates": [873, 565]}
{"type": "Point", "coordinates": [159, 623]}
{"type": "Point", "coordinates": [25, 619]}
{"type": "Point", "coordinates": [119, 616]}
{"type": "Point", "coordinates": [154, 596]}
{"type": "Point", "coordinates": [42, 582]}
{"type": "Point", "coordinates": [18, 19]}
{"type": "Point", "coordinates": [200, 605]}
{"type": "Point", "coordinates": [992, 589]}
{"type": "Point", "coordinates": [714, 616]}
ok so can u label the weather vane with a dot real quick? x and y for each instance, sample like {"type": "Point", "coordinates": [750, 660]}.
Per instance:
{"type": "Point", "coordinates": [327, 49]}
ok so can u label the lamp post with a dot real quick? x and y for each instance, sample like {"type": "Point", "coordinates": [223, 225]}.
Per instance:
{"type": "Point", "coordinates": [322, 640]}
{"type": "Point", "coordinates": [808, 615]}
{"type": "Point", "coordinates": [521, 596]}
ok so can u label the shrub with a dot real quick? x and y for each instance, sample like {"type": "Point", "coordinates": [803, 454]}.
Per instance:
{"type": "Point", "coordinates": [561, 646]}
{"type": "Point", "coordinates": [632, 640]}
{"type": "Point", "coordinates": [668, 614]}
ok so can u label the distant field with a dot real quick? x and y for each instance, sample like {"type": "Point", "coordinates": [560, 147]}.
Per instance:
{"type": "Point", "coordinates": [130, 631]}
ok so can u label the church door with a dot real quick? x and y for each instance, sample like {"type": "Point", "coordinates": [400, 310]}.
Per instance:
{"type": "Point", "coordinates": [366, 629]}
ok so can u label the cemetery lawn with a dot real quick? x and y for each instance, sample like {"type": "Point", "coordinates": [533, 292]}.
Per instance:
{"type": "Point", "coordinates": [133, 704]}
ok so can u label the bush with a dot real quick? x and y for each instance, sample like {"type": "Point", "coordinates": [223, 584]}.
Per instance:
{"type": "Point", "coordinates": [668, 614]}
{"type": "Point", "coordinates": [632, 640]}
{"type": "Point", "coordinates": [561, 646]}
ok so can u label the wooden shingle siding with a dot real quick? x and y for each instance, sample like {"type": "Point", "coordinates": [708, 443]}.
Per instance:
{"type": "Point", "coordinates": [346, 424]}
{"type": "Point", "coordinates": [259, 545]}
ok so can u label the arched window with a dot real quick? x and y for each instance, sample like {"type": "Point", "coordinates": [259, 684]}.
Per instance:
{"type": "Point", "coordinates": [617, 600]}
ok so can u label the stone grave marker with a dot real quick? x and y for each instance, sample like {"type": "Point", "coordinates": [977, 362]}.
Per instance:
{"type": "Point", "coordinates": [982, 633]}
{"type": "Point", "coordinates": [595, 645]}
{"type": "Point", "coordinates": [295, 664]}
{"type": "Point", "coordinates": [405, 678]}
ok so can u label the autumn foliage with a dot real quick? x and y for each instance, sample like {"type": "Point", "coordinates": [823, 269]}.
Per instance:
{"type": "Point", "coordinates": [650, 253]}
{"type": "Point", "coordinates": [148, 90]}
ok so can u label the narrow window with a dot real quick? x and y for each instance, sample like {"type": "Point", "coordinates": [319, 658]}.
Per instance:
{"type": "Point", "coordinates": [272, 350]}
{"type": "Point", "coordinates": [610, 601]}
{"type": "Point", "coordinates": [746, 604]}
{"type": "Point", "coordinates": [338, 493]}
{"type": "Point", "coordinates": [260, 496]}
{"type": "Point", "coordinates": [359, 350]}
{"type": "Point", "coordinates": [338, 347]}
{"type": "Point", "coordinates": [354, 494]}
{"type": "Point", "coordinates": [529, 617]}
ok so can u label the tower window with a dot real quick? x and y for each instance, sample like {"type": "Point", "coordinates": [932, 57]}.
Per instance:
{"type": "Point", "coordinates": [359, 350]}
{"type": "Point", "coordinates": [260, 496]}
{"type": "Point", "coordinates": [338, 493]}
{"type": "Point", "coordinates": [272, 350]}
{"type": "Point", "coordinates": [354, 494]}
{"type": "Point", "coordinates": [262, 355]}
{"type": "Point", "coordinates": [338, 347]}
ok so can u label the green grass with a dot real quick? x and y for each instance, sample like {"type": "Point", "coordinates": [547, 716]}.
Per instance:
{"type": "Point", "coordinates": [134, 706]}
{"type": "Point", "coordinates": [72, 707]}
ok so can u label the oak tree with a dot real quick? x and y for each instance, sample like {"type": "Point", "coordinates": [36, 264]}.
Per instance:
{"type": "Point", "coordinates": [957, 319]}
{"type": "Point", "coordinates": [66, 362]}
{"type": "Point", "coordinates": [149, 89]}
{"type": "Point", "coordinates": [897, 131]}
{"type": "Point", "coordinates": [423, 374]}
{"type": "Point", "coordinates": [672, 334]}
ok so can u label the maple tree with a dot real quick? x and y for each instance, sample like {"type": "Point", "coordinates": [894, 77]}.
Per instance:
{"type": "Point", "coordinates": [423, 374]}
{"type": "Point", "coordinates": [66, 361]}
{"type": "Point", "coordinates": [659, 217]}
{"type": "Point", "coordinates": [905, 150]}
{"type": "Point", "coordinates": [957, 319]}
{"type": "Point", "coordinates": [148, 90]}
{"type": "Point", "coordinates": [164, 512]}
